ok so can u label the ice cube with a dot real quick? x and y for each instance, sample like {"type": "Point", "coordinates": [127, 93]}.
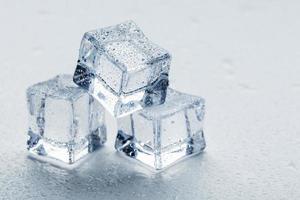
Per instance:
{"type": "Point", "coordinates": [159, 136]}
{"type": "Point", "coordinates": [122, 68]}
{"type": "Point", "coordinates": [65, 122]}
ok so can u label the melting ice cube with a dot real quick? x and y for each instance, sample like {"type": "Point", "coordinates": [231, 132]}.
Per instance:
{"type": "Point", "coordinates": [65, 122]}
{"type": "Point", "coordinates": [159, 136]}
{"type": "Point", "coordinates": [122, 68]}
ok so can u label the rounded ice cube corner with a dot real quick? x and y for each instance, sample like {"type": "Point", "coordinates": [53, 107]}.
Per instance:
{"type": "Point", "coordinates": [122, 68]}
{"type": "Point", "coordinates": [65, 122]}
{"type": "Point", "coordinates": [163, 135]}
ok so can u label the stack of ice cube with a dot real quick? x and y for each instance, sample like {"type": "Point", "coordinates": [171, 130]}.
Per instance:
{"type": "Point", "coordinates": [120, 69]}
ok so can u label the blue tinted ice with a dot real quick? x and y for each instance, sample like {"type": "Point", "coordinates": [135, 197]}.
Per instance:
{"type": "Point", "coordinates": [65, 122]}
{"type": "Point", "coordinates": [122, 68]}
{"type": "Point", "coordinates": [159, 136]}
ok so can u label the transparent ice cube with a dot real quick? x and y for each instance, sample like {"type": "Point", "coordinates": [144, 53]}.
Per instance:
{"type": "Point", "coordinates": [159, 136]}
{"type": "Point", "coordinates": [122, 68]}
{"type": "Point", "coordinates": [65, 122]}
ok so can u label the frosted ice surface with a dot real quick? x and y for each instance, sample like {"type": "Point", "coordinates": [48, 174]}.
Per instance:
{"type": "Point", "coordinates": [122, 68]}
{"type": "Point", "coordinates": [65, 122]}
{"type": "Point", "coordinates": [159, 136]}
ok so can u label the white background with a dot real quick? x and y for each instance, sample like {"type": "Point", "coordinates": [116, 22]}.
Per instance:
{"type": "Point", "coordinates": [242, 56]}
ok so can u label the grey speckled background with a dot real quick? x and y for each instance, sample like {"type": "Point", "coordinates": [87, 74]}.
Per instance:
{"type": "Point", "coordinates": [242, 56]}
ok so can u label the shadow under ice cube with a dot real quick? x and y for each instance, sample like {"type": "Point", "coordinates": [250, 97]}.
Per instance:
{"type": "Point", "coordinates": [159, 136]}
{"type": "Point", "coordinates": [122, 68]}
{"type": "Point", "coordinates": [65, 122]}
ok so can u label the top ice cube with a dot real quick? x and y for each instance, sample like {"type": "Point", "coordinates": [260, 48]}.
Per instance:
{"type": "Point", "coordinates": [122, 61]}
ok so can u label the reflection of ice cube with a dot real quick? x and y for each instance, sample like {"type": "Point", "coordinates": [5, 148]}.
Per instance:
{"type": "Point", "coordinates": [65, 121]}
{"type": "Point", "coordinates": [160, 135]}
{"type": "Point", "coordinates": [121, 68]}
